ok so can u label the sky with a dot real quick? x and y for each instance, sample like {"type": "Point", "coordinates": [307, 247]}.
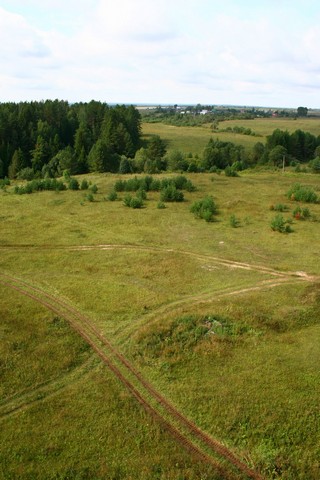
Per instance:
{"type": "Point", "coordinates": [231, 52]}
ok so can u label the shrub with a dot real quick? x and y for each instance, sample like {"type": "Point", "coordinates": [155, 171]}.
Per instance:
{"type": "Point", "coordinates": [26, 174]}
{"type": "Point", "coordinates": [234, 221]}
{"type": "Point", "coordinates": [142, 194]}
{"type": "Point", "coordinates": [133, 202]}
{"type": "Point", "coordinates": [161, 205]}
{"type": "Point", "coordinates": [279, 224]}
{"type": "Point", "coordinates": [302, 193]}
{"type": "Point", "coordinates": [205, 209]}
{"type": "Point", "coordinates": [171, 194]}
{"type": "Point", "coordinates": [230, 172]}
{"type": "Point", "coordinates": [94, 188]}
{"type": "Point", "coordinates": [301, 213]}
{"type": "Point", "coordinates": [279, 207]}
{"type": "Point", "coordinates": [112, 196]}
{"type": "Point", "coordinates": [4, 182]}
{"type": "Point", "coordinates": [90, 197]}
{"type": "Point", "coordinates": [84, 185]}
{"type": "Point", "coordinates": [136, 202]}
{"type": "Point", "coordinates": [73, 184]}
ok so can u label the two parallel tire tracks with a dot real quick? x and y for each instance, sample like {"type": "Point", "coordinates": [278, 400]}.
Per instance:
{"type": "Point", "coordinates": [179, 426]}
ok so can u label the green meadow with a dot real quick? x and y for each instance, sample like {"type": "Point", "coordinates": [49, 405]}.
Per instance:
{"type": "Point", "coordinates": [221, 317]}
{"type": "Point", "coordinates": [194, 139]}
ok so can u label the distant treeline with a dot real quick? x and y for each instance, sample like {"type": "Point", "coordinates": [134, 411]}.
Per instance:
{"type": "Point", "coordinates": [49, 137]}
{"type": "Point", "coordinates": [46, 139]}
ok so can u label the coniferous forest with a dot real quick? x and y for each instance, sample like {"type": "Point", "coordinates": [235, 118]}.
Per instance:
{"type": "Point", "coordinates": [45, 138]}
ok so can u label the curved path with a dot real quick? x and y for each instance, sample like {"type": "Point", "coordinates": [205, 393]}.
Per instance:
{"type": "Point", "coordinates": [179, 426]}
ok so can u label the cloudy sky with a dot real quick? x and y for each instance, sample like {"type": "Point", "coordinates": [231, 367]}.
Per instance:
{"type": "Point", "coordinates": [240, 52]}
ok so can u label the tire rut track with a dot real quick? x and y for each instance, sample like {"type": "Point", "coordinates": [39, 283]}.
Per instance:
{"type": "Point", "coordinates": [62, 308]}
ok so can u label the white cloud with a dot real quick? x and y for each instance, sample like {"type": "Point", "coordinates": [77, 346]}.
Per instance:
{"type": "Point", "coordinates": [160, 51]}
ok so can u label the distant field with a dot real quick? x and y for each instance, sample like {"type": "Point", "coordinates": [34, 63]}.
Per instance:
{"type": "Point", "coordinates": [194, 139]}
{"type": "Point", "coordinates": [223, 321]}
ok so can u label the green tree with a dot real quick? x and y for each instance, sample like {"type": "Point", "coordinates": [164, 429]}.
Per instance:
{"type": "Point", "coordinates": [302, 111]}
{"type": "Point", "coordinates": [17, 163]}
{"type": "Point", "coordinates": [277, 155]}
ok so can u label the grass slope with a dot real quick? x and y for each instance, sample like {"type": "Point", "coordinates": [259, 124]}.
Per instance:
{"type": "Point", "coordinates": [218, 318]}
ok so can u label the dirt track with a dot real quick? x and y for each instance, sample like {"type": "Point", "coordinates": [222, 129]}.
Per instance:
{"type": "Point", "coordinates": [197, 441]}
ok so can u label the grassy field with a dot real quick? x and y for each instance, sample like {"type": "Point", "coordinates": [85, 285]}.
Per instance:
{"type": "Point", "coordinates": [223, 321]}
{"type": "Point", "coordinates": [194, 139]}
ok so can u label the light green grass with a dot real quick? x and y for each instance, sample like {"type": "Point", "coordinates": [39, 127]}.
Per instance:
{"type": "Point", "coordinates": [195, 139]}
{"type": "Point", "coordinates": [257, 392]}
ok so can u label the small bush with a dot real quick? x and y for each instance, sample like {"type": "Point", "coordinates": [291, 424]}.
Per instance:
{"type": "Point", "coordinates": [73, 184]}
{"type": "Point", "coordinates": [301, 213]}
{"type": "Point", "coordinates": [171, 194]}
{"type": "Point", "coordinates": [230, 172]}
{"type": "Point", "coordinates": [279, 207]}
{"type": "Point", "coordinates": [133, 202]}
{"type": "Point", "coordinates": [94, 188]}
{"type": "Point", "coordinates": [4, 182]}
{"type": "Point", "coordinates": [161, 205]}
{"type": "Point", "coordinates": [234, 221]}
{"type": "Point", "coordinates": [84, 185]}
{"type": "Point", "coordinates": [279, 224]}
{"type": "Point", "coordinates": [112, 196]}
{"type": "Point", "coordinates": [136, 202]}
{"type": "Point", "coordinates": [205, 209]}
{"type": "Point", "coordinates": [90, 197]}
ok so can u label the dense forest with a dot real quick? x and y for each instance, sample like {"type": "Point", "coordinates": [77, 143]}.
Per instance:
{"type": "Point", "coordinates": [45, 139]}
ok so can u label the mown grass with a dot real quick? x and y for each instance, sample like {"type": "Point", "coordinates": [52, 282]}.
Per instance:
{"type": "Point", "coordinates": [253, 384]}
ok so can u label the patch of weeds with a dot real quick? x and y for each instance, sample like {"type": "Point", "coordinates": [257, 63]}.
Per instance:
{"type": "Point", "coordinates": [301, 213]}
{"type": "Point", "coordinates": [302, 193]}
{"type": "Point", "coordinates": [279, 224]}
{"type": "Point", "coordinates": [279, 207]}
{"type": "Point", "coordinates": [234, 221]}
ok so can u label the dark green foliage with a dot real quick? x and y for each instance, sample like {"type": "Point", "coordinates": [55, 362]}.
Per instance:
{"type": "Point", "coordinates": [125, 165]}
{"type": "Point", "coordinates": [176, 160]}
{"type": "Point", "coordinates": [112, 196]}
{"type": "Point", "coordinates": [33, 135]}
{"type": "Point", "coordinates": [94, 188]}
{"type": "Point", "coordinates": [4, 182]}
{"type": "Point", "coordinates": [149, 183]}
{"type": "Point", "coordinates": [302, 111]}
{"type": "Point", "coordinates": [133, 202]}
{"type": "Point", "coordinates": [205, 209]}
{"type": "Point", "coordinates": [315, 165]}
{"type": "Point", "coordinates": [84, 185]}
{"type": "Point", "coordinates": [73, 184]}
{"type": "Point", "coordinates": [221, 154]}
{"type": "Point", "coordinates": [171, 194]}
{"type": "Point", "coordinates": [231, 172]}
{"type": "Point", "coordinates": [161, 205]}
{"type": "Point", "coordinates": [299, 145]}
{"type": "Point", "coordinates": [40, 185]}
{"type": "Point", "coordinates": [302, 193]}
{"type": "Point", "coordinates": [279, 224]}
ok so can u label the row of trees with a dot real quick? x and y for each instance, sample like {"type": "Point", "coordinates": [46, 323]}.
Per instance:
{"type": "Point", "coordinates": [51, 136]}
{"type": "Point", "coordinates": [43, 139]}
